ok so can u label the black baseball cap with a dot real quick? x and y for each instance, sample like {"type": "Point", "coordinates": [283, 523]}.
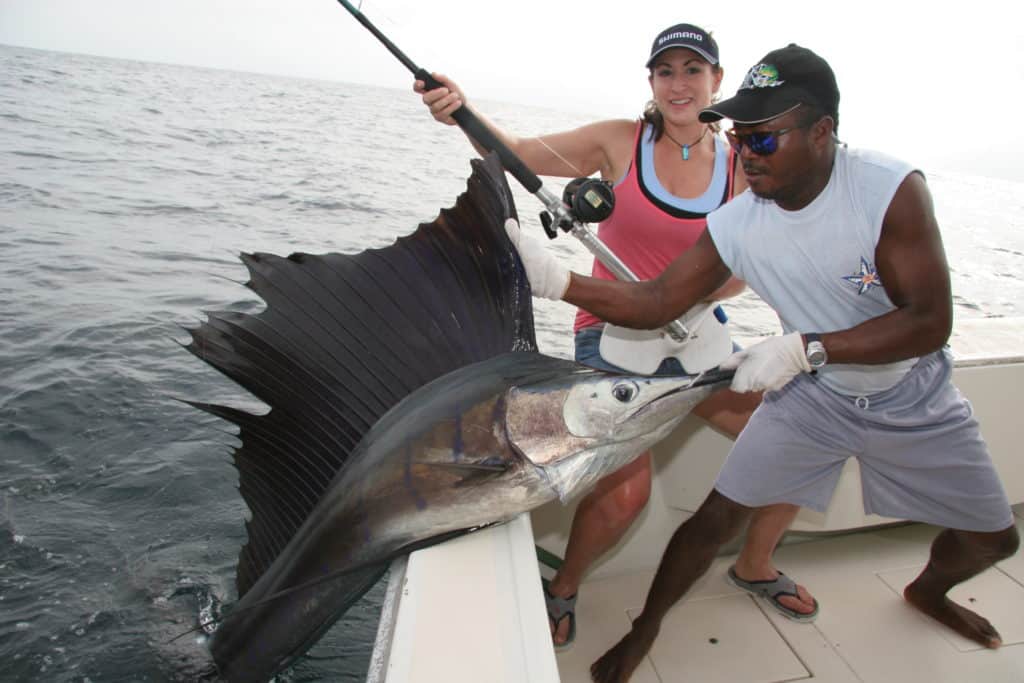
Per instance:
{"type": "Point", "coordinates": [782, 80]}
{"type": "Point", "coordinates": [685, 35]}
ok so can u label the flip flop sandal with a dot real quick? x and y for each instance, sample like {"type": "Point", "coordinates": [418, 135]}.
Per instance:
{"type": "Point", "coordinates": [771, 591]}
{"type": "Point", "coordinates": [560, 609]}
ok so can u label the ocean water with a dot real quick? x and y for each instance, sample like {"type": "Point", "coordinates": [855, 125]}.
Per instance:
{"type": "Point", "coordinates": [126, 191]}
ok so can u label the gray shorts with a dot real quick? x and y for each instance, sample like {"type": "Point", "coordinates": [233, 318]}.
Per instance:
{"type": "Point", "coordinates": [920, 449]}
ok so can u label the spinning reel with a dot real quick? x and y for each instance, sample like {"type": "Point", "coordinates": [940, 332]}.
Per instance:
{"type": "Point", "coordinates": [590, 200]}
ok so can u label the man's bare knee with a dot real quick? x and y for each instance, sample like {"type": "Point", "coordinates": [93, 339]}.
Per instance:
{"type": "Point", "coordinates": [720, 519]}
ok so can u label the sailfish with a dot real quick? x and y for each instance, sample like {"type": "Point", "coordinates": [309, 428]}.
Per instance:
{"type": "Point", "coordinates": [409, 404]}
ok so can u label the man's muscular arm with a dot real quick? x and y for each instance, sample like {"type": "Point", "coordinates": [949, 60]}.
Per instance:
{"type": "Point", "coordinates": [912, 266]}
{"type": "Point", "coordinates": [688, 280]}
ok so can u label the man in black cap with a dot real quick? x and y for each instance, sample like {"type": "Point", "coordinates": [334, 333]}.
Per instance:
{"type": "Point", "coordinates": [844, 245]}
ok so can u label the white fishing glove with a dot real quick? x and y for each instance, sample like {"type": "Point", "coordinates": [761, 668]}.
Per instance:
{"type": "Point", "coordinates": [768, 365]}
{"type": "Point", "coordinates": [548, 278]}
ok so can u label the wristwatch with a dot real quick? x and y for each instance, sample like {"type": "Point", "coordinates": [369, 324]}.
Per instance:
{"type": "Point", "coordinates": [816, 354]}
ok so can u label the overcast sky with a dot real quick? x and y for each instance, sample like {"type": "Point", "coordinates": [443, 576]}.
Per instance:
{"type": "Point", "coordinates": [941, 88]}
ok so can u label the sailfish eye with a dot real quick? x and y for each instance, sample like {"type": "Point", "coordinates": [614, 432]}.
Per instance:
{"type": "Point", "coordinates": [625, 392]}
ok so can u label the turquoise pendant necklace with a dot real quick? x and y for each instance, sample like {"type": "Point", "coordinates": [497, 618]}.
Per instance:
{"type": "Point", "coordinates": [686, 148]}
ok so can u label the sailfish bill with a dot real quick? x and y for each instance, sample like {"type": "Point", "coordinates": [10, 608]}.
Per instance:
{"type": "Point", "coordinates": [408, 405]}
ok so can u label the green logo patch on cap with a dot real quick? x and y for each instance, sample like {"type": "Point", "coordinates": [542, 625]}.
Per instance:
{"type": "Point", "coordinates": [761, 76]}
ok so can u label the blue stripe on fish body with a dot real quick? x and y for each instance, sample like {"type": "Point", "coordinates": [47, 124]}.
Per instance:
{"type": "Point", "coordinates": [421, 504]}
{"type": "Point", "coordinates": [458, 442]}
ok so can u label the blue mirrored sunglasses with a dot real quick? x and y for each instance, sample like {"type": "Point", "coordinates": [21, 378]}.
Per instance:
{"type": "Point", "coordinates": [762, 142]}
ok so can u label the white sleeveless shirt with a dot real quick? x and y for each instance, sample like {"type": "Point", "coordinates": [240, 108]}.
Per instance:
{"type": "Point", "coordinates": [816, 266]}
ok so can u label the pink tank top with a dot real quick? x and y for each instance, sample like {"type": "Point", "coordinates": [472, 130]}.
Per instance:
{"type": "Point", "coordinates": [644, 231]}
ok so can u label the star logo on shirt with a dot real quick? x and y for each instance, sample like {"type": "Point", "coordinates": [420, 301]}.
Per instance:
{"type": "Point", "coordinates": [866, 278]}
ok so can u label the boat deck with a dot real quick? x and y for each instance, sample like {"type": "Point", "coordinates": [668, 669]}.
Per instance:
{"type": "Point", "coordinates": [865, 632]}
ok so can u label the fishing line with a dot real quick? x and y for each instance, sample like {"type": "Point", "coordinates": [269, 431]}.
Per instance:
{"type": "Point", "coordinates": [560, 157]}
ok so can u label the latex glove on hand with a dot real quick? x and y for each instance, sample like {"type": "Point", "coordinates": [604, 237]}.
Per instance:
{"type": "Point", "coordinates": [768, 365]}
{"type": "Point", "coordinates": [548, 278]}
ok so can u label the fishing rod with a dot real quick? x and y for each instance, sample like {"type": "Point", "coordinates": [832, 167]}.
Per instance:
{"type": "Point", "coordinates": [586, 200]}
